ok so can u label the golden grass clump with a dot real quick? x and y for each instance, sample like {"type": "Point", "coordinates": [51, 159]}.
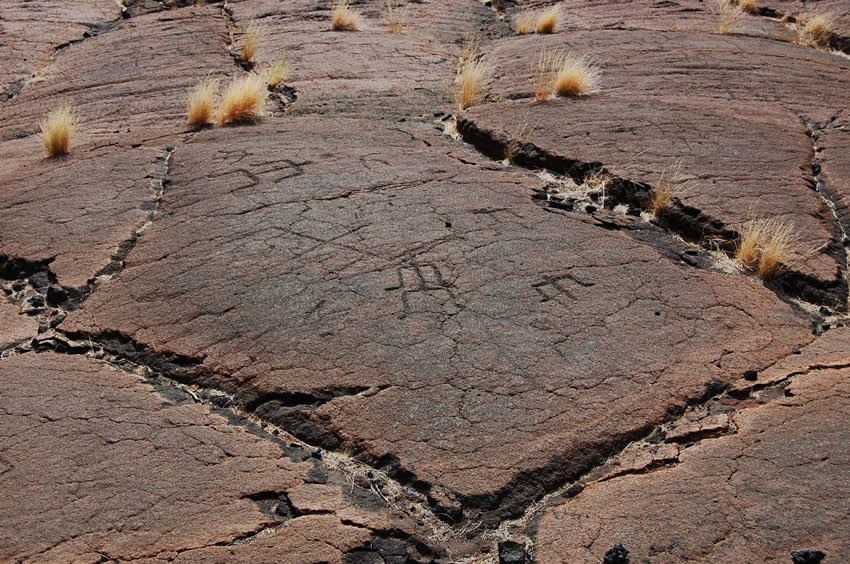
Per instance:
{"type": "Point", "coordinates": [57, 130]}
{"type": "Point", "coordinates": [276, 73]}
{"type": "Point", "coordinates": [575, 76]}
{"type": "Point", "coordinates": [396, 22]}
{"type": "Point", "coordinates": [200, 108]}
{"type": "Point", "coordinates": [751, 6]}
{"type": "Point", "coordinates": [250, 42]}
{"type": "Point", "coordinates": [524, 23]}
{"type": "Point", "coordinates": [244, 101]}
{"type": "Point", "coordinates": [729, 15]}
{"type": "Point", "coordinates": [548, 20]}
{"type": "Point", "coordinates": [473, 77]}
{"type": "Point", "coordinates": [766, 245]}
{"type": "Point", "coordinates": [668, 187]}
{"type": "Point", "coordinates": [815, 30]}
{"type": "Point", "coordinates": [344, 17]}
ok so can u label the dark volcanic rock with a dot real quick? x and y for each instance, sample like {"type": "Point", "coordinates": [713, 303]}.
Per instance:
{"type": "Point", "coordinates": [309, 261]}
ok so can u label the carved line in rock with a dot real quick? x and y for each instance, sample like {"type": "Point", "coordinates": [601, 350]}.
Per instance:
{"type": "Point", "coordinates": [688, 222]}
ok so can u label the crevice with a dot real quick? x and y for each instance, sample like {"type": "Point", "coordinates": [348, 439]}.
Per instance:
{"type": "Point", "coordinates": [837, 42]}
{"type": "Point", "coordinates": [687, 222]}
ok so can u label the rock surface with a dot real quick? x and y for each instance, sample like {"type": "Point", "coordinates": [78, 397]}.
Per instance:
{"type": "Point", "coordinates": [372, 328]}
{"type": "Point", "coordinates": [779, 484]}
{"type": "Point", "coordinates": [119, 471]}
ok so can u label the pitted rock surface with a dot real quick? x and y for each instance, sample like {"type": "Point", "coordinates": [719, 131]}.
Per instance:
{"type": "Point", "coordinates": [14, 327]}
{"type": "Point", "coordinates": [491, 339]}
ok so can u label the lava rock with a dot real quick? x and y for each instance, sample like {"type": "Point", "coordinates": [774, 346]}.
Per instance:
{"type": "Point", "coordinates": [617, 554]}
{"type": "Point", "coordinates": [807, 556]}
{"type": "Point", "coordinates": [511, 552]}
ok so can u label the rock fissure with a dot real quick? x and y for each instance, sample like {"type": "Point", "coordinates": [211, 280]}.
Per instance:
{"type": "Point", "coordinates": [678, 218]}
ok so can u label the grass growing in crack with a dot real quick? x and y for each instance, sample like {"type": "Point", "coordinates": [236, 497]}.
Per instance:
{"type": "Point", "coordinates": [200, 108]}
{"type": "Point", "coordinates": [276, 73]}
{"type": "Point", "coordinates": [244, 101]}
{"type": "Point", "coordinates": [524, 23]}
{"type": "Point", "coordinates": [728, 13]}
{"type": "Point", "coordinates": [57, 130]}
{"type": "Point", "coordinates": [250, 42]}
{"type": "Point", "coordinates": [396, 20]}
{"type": "Point", "coordinates": [814, 30]}
{"type": "Point", "coordinates": [765, 246]}
{"type": "Point", "coordinates": [344, 17]}
{"type": "Point", "coordinates": [474, 75]}
{"type": "Point", "coordinates": [548, 20]}
{"type": "Point", "coordinates": [669, 186]}
{"type": "Point", "coordinates": [751, 6]}
{"type": "Point", "coordinates": [515, 141]}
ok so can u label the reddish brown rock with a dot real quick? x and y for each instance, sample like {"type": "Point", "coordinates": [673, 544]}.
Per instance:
{"type": "Point", "coordinates": [833, 141]}
{"type": "Point", "coordinates": [779, 484]}
{"type": "Point", "coordinates": [102, 464]}
{"type": "Point", "coordinates": [32, 30]}
{"type": "Point", "coordinates": [499, 348]}
{"type": "Point", "coordinates": [725, 132]}
{"type": "Point", "coordinates": [15, 327]}
{"type": "Point", "coordinates": [140, 87]}
{"type": "Point", "coordinates": [382, 74]}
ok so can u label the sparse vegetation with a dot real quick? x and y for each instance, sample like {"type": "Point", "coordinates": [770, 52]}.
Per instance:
{"type": "Point", "coordinates": [250, 42]}
{"type": "Point", "coordinates": [766, 245]}
{"type": "Point", "coordinates": [751, 6]}
{"type": "Point", "coordinates": [575, 76]}
{"type": "Point", "coordinates": [473, 77]}
{"type": "Point", "coordinates": [244, 101]}
{"type": "Point", "coordinates": [669, 186]}
{"type": "Point", "coordinates": [548, 20]}
{"type": "Point", "coordinates": [474, 74]}
{"type": "Point", "coordinates": [515, 142]}
{"type": "Point", "coordinates": [57, 130]}
{"type": "Point", "coordinates": [524, 23]}
{"type": "Point", "coordinates": [344, 17]}
{"type": "Point", "coordinates": [814, 30]}
{"type": "Point", "coordinates": [200, 108]}
{"type": "Point", "coordinates": [276, 73]}
{"type": "Point", "coordinates": [729, 14]}
{"type": "Point", "coordinates": [396, 21]}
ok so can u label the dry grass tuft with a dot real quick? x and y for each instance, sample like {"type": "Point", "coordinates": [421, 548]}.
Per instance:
{"type": "Point", "coordinates": [765, 246]}
{"type": "Point", "coordinates": [244, 101]}
{"type": "Point", "coordinates": [751, 6]}
{"type": "Point", "coordinates": [396, 20]}
{"type": "Point", "coordinates": [250, 42]}
{"type": "Point", "coordinates": [815, 30]}
{"type": "Point", "coordinates": [201, 104]}
{"type": "Point", "coordinates": [473, 77]}
{"type": "Point", "coordinates": [516, 140]}
{"type": "Point", "coordinates": [344, 17]}
{"type": "Point", "coordinates": [276, 73]}
{"type": "Point", "coordinates": [729, 13]}
{"type": "Point", "coordinates": [575, 76]}
{"type": "Point", "coordinates": [57, 130]}
{"type": "Point", "coordinates": [525, 23]}
{"type": "Point", "coordinates": [548, 20]}
{"type": "Point", "coordinates": [668, 187]}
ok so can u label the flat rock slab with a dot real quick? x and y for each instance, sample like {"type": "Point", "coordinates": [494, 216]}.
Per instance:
{"type": "Point", "coordinates": [779, 484]}
{"type": "Point", "coordinates": [140, 87]}
{"type": "Point", "coordinates": [15, 327]}
{"type": "Point", "coordinates": [382, 74]}
{"type": "Point", "coordinates": [33, 29]}
{"type": "Point", "coordinates": [386, 291]}
{"type": "Point", "coordinates": [742, 145]}
{"type": "Point", "coordinates": [103, 466]}
{"type": "Point", "coordinates": [75, 212]}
